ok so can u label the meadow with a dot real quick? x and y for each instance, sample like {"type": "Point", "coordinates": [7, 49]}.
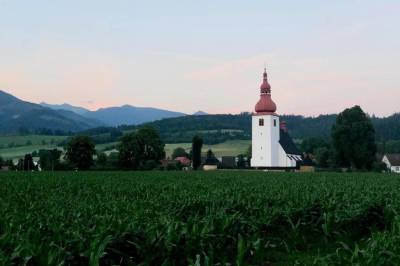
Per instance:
{"type": "Point", "coordinates": [15, 147]}
{"type": "Point", "coordinates": [36, 143]}
{"type": "Point", "coordinates": [227, 148]}
{"type": "Point", "coordinates": [199, 218]}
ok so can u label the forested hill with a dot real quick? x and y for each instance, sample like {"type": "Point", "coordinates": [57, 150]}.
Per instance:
{"type": "Point", "coordinates": [219, 128]}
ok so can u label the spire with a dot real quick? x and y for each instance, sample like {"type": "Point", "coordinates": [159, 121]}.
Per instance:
{"type": "Point", "coordinates": [265, 87]}
{"type": "Point", "coordinates": [265, 104]}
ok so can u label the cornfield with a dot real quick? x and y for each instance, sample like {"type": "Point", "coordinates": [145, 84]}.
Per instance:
{"type": "Point", "coordinates": [199, 218]}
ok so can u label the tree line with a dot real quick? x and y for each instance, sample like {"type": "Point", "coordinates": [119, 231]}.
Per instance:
{"type": "Point", "coordinates": [138, 150]}
{"type": "Point", "coordinates": [215, 129]}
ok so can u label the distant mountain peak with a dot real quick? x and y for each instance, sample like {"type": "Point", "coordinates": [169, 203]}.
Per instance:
{"type": "Point", "coordinates": [130, 115]}
{"type": "Point", "coordinates": [67, 107]}
{"type": "Point", "coordinates": [16, 114]}
{"type": "Point", "coordinates": [200, 113]}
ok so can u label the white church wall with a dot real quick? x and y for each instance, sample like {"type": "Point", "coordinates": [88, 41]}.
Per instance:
{"type": "Point", "coordinates": [265, 141]}
{"type": "Point", "coordinates": [284, 161]}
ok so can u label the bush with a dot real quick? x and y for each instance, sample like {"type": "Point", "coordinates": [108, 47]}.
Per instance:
{"type": "Point", "coordinates": [150, 165]}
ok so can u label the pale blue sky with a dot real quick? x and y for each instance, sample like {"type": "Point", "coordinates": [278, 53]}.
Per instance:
{"type": "Point", "coordinates": [322, 56]}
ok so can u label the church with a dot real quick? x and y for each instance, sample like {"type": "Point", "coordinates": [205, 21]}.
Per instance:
{"type": "Point", "coordinates": [272, 147]}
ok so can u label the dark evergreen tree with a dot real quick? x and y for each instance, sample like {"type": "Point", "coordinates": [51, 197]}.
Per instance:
{"type": "Point", "coordinates": [197, 144]}
{"type": "Point", "coordinates": [241, 163]}
{"type": "Point", "coordinates": [354, 139]}
{"type": "Point", "coordinates": [26, 164]}
{"type": "Point", "coordinates": [249, 153]}
{"type": "Point", "coordinates": [211, 159]}
{"type": "Point", "coordinates": [80, 151]}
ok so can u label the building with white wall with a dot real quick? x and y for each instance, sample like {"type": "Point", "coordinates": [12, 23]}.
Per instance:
{"type": "Point", "coordinates": [392, 162]}
{"type": "Point", "coordinates": [272, 147]}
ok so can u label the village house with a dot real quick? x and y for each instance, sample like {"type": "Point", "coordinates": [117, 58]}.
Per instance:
{"type": "Point", "coordinates": [392, 162]}
{"type": "Point", "coordinates": [183, 161]}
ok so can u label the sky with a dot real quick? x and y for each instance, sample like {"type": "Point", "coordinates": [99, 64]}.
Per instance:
{"type": "Point", "coordinates": [321, 56]}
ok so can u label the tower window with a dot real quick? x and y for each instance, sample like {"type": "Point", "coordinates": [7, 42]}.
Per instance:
{"type": "Point", "coordinates": [261, 122]}
{"type": "Point", "coordinates": [274, 122]}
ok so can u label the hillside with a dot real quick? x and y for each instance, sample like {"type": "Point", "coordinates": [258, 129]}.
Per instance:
{"type": "Point", "coordinates": [17, 115]}
{"type": "Point", "coordinates": [220, 128]}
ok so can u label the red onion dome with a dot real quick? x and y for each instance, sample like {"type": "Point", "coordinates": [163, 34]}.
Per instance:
{"type": "Point", "coordinates": [265, 104]}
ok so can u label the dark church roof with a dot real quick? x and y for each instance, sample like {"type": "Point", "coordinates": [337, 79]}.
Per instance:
{"type": "Point", "coordinates": [287, 143]}
{"type": "Point", "coordinates": [394, 159]}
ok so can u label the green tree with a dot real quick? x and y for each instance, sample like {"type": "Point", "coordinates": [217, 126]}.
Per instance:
{"type": "Point", "coordinates": [324, 157]}
{"type": "Point", "coordinates": [49, 159]}
{"type": "Point", "coordinates": [210, 158]}
{"type": "Point", "coordinates": [129, 151]}
{"type": "Point", "coordinates": [137, 148]}
{"type": "Point", "coordinates": [102, 159]}
{"type": "Point", "coordinates": [10, 164]}
{"type": "Point", "coordinates": [309, 145]}
{"type": "Point", "coordinates": [1, 162]}
{"type": "Point", "coordinates": [80, 151]}
{"type": "Point", "coordinates": [26, 164]}
{"type": "Point", "coordinates": [197, 144]}
{"type": "Point", "coordinates": [179, 152]}
{"type": "Point", "coordinates": [354, 139]}
{"type": "Point", "coordinates": [249, 153]}
{"type": "Point", "coordinates": [241, 163]}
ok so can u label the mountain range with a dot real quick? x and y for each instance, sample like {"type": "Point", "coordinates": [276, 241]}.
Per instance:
{"type": "Point", "coordinates": [17, 115]}
{"type": "Point", "coordinates": [116, 116]}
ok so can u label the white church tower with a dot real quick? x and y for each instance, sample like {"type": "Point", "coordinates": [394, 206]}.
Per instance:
{"type": "Point", "coordinates": [272, 146]}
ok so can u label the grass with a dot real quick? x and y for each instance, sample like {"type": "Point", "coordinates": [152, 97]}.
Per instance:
{"type": "Point", "coordinates": [33, 139]}
{"type": "Point", "coordinates": [19, 152]}
{"type": "Point", "coordinates": [19, 149]}
{"type": "Point", "coordinates": [15, 147]}
{"type": "Point", "coordinates": [228, 148]}
{"type": "Point", "coordinates": [199, 218]}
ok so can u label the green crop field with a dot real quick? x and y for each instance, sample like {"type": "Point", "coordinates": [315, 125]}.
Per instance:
{"type": "Point", "coordinates": [199, 218]}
